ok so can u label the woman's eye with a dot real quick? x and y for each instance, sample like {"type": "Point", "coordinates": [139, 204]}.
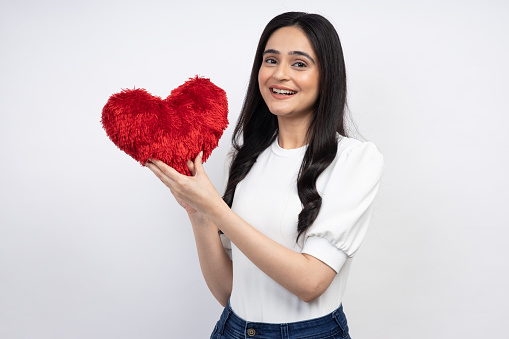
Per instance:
{"type": "Point", "coordinates": [270, 61]}
{"type": "Point", "coordinates": [299, 64]}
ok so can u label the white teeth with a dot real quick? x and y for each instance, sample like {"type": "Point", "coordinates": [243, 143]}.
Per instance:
{"type": "Point", "coordinates": [283, 91]}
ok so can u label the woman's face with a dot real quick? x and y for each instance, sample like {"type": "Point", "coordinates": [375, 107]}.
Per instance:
{"type": "Point", "coordinates": [289, 75]}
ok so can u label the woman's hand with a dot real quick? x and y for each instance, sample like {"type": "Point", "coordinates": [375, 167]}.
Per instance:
{"type": "Point", "coordinates": [189, 209]}
{"type": "Point", "coordinates": [194, 193]}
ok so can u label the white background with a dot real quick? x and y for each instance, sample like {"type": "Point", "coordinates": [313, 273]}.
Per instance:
{"type": "Point", "coordinates": [92, 245]}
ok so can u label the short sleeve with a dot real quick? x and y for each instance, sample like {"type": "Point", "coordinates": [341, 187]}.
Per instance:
{"type": "Point", "coordinates": [347, 205]}
{"type": "Point", "coordinates": [227, 245]}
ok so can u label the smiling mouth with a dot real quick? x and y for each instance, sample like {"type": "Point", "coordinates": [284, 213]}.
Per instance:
{"type": "Point", "coordinates": [282, 91]}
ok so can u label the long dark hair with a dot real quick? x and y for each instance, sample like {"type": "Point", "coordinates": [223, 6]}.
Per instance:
{"type": "Point", "coordinates": [257, 127]}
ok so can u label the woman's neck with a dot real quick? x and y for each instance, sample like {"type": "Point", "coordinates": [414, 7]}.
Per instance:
{"type": "Point", "coordinates": [292, 134]}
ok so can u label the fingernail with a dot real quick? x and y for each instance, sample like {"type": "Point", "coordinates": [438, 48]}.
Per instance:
{"type": "Point", "coordinates": [201, 154]}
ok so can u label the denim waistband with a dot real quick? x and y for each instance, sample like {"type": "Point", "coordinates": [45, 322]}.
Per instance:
{"type": "Point", "coordinates": [235, 327]}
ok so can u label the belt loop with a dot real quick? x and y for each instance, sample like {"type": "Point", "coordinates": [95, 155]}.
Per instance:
{"type": "Point", "coordinates": [224, 317]}
{"type": "Point", "coordinates": [284, 331]}
{"type": "Point", "coordinates": [340, 318]}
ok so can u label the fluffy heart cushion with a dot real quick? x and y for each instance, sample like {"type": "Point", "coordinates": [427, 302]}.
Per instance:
{"type": "Point", "coordinates": [173, 130]}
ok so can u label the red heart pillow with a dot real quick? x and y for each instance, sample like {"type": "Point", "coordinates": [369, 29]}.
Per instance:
{"type": "Point", "coordinates": [173, 130]}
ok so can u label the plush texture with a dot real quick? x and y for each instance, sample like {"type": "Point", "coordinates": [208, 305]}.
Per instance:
{"type": "Point", "coordinates": [191, 119]}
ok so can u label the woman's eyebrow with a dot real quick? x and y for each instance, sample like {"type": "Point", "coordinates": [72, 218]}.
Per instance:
{"type": "Point", "coordinates": [273, 51]}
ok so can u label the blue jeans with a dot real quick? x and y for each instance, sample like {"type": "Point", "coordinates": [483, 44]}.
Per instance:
{"type": "Point", "coordinates": [330, 326]}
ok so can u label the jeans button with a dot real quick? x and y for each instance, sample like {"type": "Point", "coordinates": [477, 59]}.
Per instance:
{"type": "Point", "coordinates": [251, 332]}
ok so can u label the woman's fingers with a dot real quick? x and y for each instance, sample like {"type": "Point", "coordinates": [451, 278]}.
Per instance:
{"type": "Point", "coordinates": [191, 167]}
{"type": "Point", "coordinates": [196, 192]}
{"type": "Point", "coordinates": [158, 172]}
{"type": "Point", "coordinates": [169, 183]}
{"type": "Point", "coordinates": [167, 170]}
{"type": "Point", "coordinates": [172, 173]}
{"type": "Point", "coordinates": [198, 163]}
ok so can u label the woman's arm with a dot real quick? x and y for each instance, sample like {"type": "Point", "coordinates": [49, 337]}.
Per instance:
{"type": "Point", "coordinates": [215, 264]}
{"type": "Point", "coordinates": [301, 274]}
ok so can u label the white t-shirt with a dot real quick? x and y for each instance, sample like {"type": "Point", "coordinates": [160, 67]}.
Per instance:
{"type": "Point", "coordinates": [267, 199]}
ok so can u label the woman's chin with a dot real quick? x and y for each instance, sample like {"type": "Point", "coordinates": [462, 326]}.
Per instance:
{"type": "Point", "coordinates": [280, 111]}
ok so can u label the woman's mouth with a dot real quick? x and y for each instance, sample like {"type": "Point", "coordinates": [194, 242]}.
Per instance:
{"type": "Point", "coordinates": [280, 91]}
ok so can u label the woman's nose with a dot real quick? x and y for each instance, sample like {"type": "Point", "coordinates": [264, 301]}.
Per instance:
{"type": "Point", "coordinates": [281, 73]}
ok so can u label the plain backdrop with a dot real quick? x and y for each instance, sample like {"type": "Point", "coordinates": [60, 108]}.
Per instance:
{"type": "Point", "coordinates": [92, 245]}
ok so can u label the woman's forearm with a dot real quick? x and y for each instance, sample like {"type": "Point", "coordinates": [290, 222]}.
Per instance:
{"type": "Point", "coordinates": [215, 264]}
{"type": "Point", "coordinates": [301, 274]}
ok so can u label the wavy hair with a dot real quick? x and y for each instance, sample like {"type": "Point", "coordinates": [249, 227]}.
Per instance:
{"type": "Point", "coordinates": [257, 127]}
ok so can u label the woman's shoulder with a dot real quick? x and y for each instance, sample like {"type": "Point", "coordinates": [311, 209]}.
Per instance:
{"type": "Point", "coordinates": [349, 144]}
{"type": "Point", "coordinates": [353, 151]}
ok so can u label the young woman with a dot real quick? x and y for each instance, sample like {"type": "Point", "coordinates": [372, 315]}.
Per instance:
{"type": "Point", "coordinates": [299, 193]}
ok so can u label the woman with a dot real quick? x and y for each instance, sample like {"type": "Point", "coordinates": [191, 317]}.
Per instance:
{"type": "Point", "coordinates": [299, 194]}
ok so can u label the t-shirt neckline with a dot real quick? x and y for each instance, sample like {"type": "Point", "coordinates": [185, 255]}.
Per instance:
{"type": "Point", "coordinates": [282, 152]}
